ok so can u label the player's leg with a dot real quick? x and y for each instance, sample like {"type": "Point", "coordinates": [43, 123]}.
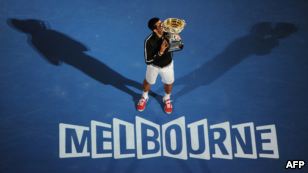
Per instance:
{"type": "Point", "coordinates": [168, 90]}
{"type": "Point", "coordinates": [150, 79]}
{"type": "Point", "coordinates": [146, 88]}
{"type": "Point", "coordinates": [167, 75]}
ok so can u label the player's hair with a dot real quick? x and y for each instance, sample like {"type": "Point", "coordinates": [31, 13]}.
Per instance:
{"type": "Point", "coordinates": [152, 22]}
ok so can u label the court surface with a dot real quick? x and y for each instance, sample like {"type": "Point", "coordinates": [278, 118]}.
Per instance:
{"type": "Point", "coordinates": [76, 61]}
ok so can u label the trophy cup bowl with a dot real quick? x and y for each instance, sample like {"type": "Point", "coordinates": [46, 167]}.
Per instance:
{"type": "Point", "coordinates": [173, 27]}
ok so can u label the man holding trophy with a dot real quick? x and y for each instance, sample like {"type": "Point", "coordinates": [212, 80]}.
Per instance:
{"type": "Point", "coordinates": [158, 48]}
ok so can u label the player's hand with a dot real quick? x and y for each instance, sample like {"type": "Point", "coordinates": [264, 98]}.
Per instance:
{"type": "Point", "coordinates": [164, 46]}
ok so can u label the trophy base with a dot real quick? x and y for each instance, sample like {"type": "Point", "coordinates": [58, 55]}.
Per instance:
{"type": "Point", "coordinates": [175, 42]}
{"type": "Point", "coordinates": [175, 46]}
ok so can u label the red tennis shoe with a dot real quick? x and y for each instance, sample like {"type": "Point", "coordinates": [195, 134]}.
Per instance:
{"type": "Point", "coordinates": [168, 106]}
{"type": "Point", "coordinates": [142, 104]}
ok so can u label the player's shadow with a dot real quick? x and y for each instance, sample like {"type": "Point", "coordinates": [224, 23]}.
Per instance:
{"type": "Point", "coordinates": [59, 48]}
{"type": "Point", "coordinates": [261, 40]}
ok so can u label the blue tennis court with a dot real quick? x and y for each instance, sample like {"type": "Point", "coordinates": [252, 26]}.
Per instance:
{"type": "Point", "coordinates": [72, 71]}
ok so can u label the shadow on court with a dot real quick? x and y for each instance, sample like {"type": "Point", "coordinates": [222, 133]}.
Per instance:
{"type": "Point", "coordinates": [261, 40]}
{"type": "Point", "coordinates": [58, 48]}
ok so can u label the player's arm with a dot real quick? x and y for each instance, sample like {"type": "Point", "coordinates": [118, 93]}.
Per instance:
{"type": "Point", "coordinates": [163, 47]}
{"type": "Point", "coordinates": [150, 54]}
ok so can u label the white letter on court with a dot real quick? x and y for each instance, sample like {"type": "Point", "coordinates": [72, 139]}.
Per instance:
{"type": "Point", "coordinates": [195, 140]}
{"type": "Point", "coordinates": [79, 130]}
{"type": "Point", "coordinates": [151, 144]}
{"type": "Point", "coordinates": [129, 138]}
{"type": "Point", "coordinates": [106, 144]}
{"type": "Point", "coordinates": [226, 142]}
{"type": "Point", "coordinates": [239, 150]}
{"type": "Point", "coordinates": [173, 135]}
{"type": "Point", "coordinates": [272, 144]}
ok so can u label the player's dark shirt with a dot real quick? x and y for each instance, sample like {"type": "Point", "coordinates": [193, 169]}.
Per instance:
{"type": "Point", "coordinates": [151, 52]}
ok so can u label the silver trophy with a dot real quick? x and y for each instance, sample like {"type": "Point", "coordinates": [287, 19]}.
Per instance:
{"type": "Point", "coordinates": [173, 27]}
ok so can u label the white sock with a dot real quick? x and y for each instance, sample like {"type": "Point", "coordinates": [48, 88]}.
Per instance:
{"type": "Point", "coordinates": [145, 94]}
{"type": "Point", "coordinates": [167, 96]}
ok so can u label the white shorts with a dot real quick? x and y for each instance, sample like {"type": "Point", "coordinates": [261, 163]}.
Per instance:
{"type": "Point", "coordinates": [166, 74]}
